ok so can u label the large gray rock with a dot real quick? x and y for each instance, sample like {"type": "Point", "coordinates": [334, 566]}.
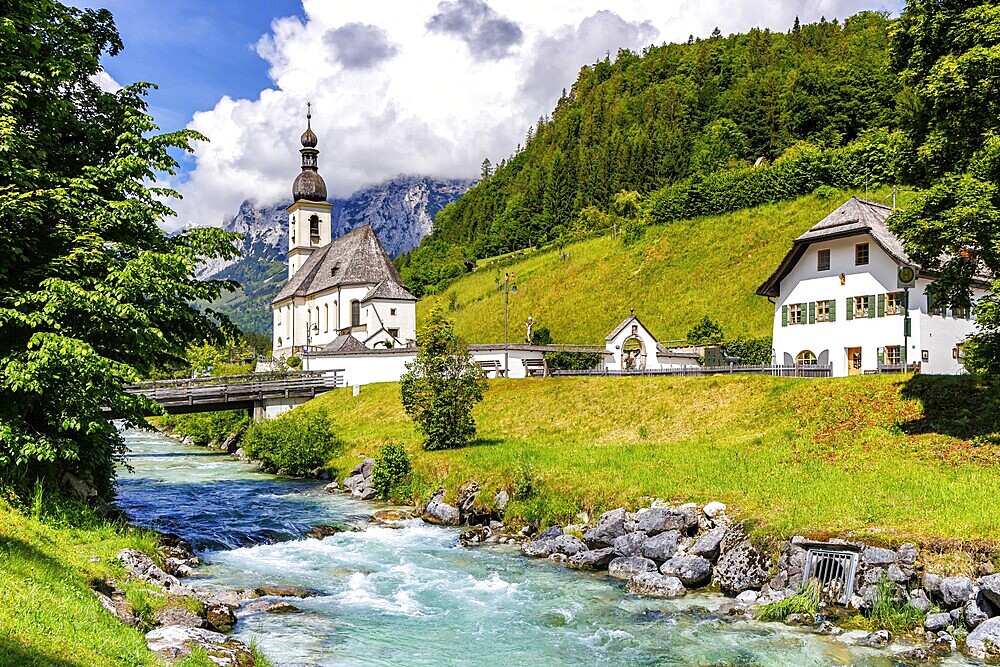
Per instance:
{"type": "Point", "coordinates": [651, 584]}
{"type": "Point", "coordinates": [175, 642]}
{"type": "Point", "coordinates": [629, 544]}
{"type": "Point", "coordinates": [142, 567]}
{"type": "Point", "coordinates": [693, 571]}
{"type": "Point", "coordinates": [610, 526]}
{"type": "Point", "coordinates": [549, 533]}
{"type": "Point", "coordinates": [708, 545]}
{"type": "Point", "coordinates": [937, 622]}
{"type": "Point", "coordinates": [440, 512]}
{"type": "Point", "coordinates": [973, 614]}
{"type": "Point", "coordinates": [593, 559]}
{"type": "Point", "coordinates": [874, 556]}
{"type": "Point", "coordinates": [661, 547]}
{"type": "Point", "coordinates": [173, 614]}
{"type": "Point", "coordinates": [983, 643]}
{"type": "Point", "coordinates": [658, 520]}
{"type": "Point", "coordinates": [919, 601]}
{"type": "Point", "coordinates": [119, 607]}
{"type": "Point", "coordinates": [990, 589]}
{"type": "Point", "coordinates": [956, 591]}
{"type": "Point", "coordinates": [538, 548]}
{"type": "Point", "coordinates": [625, 567]}
{"type": "Point", "coordinates": [742, 568]}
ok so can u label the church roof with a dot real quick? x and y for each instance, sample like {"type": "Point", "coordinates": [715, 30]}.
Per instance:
{"type": "Point", "coordinates": [390, 291]}
{"type": "Point", "coordinates": [345, 343]}
{"type": "Point", "coordinates": [853, 217]}
{"type": "Point", "coordinates": [621, 327]}
{"type": "Point", "coordinates": [356, 258]}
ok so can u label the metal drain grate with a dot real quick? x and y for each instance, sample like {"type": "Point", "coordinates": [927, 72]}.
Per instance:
{"type": "Point", "coordinates": [834, 569]}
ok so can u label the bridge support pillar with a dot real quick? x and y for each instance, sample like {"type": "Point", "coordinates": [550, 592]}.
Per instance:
{"type": "Point", "coordinates": [269, 408]}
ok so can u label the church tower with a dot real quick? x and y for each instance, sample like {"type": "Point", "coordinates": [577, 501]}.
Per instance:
{"type": "Point", "coordinates": [309, 216]}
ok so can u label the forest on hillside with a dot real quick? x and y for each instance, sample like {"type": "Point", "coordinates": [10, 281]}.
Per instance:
{"type": "Point", "coordinates": [693, 118]}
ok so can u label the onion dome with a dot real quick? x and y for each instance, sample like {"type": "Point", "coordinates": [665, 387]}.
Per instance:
{"type": "Point", "coordinates": [309, 185]}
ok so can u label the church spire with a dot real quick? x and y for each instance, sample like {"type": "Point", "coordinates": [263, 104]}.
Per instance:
{"type": "Point", "coordinates": [309, 185]}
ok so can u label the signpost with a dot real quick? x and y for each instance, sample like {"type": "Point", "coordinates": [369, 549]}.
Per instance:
{"type": "Point", "coordinates": [906, 277]}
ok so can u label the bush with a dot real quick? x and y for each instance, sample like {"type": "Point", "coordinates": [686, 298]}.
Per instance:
{"type": "Point", "coordinates": [294, 362]}
{"type": "Point", "coordinates": [203, 427]}
{"type": "Point", "coordinates": [751, 351]}
{"type": "Point", "coordinates": [391, 471]}
{"type": "Point", "coordinates": [572, 361]}
{"type": "Point", "coordinates": [293, 444]}
{"type": "Point", "coordinates": [441, 386]}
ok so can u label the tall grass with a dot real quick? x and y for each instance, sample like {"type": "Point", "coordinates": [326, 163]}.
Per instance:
{"type": "Point", "coordinates": [805, 601]}
{"type": "Point", "coordinates": [800, 456]}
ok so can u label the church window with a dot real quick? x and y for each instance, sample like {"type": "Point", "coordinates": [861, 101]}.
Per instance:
{"type": "Point", "coordinates": [314, 229]}
{"type": "Point", "coordinates": [355, 313]}
{"type": "Point", "coordinates": [394, 333]}
{"type": "Point", "coordinates": [392, 311]}
{"type": "Point", "coordinates": [326, 317]}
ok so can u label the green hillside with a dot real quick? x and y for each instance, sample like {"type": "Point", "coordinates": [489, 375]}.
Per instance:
{"type": "Point", "coordinates": [675, 275]}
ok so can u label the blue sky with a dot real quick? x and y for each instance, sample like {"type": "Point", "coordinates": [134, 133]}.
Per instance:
{"type": "Point", "coordinates": [196, 51]}
{"type": "Point", "coordinates": [418, 87]}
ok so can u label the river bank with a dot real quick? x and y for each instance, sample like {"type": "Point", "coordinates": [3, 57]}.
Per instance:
{"type": "Point", "coordinates": [287, 557]}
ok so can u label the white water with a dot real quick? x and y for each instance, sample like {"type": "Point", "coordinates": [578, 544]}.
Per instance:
{"type": "Point", "coordinates": [413, 596]}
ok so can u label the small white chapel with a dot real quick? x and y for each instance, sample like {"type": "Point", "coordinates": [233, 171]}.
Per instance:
{"type": "Point", "coordinates": [342, 295]}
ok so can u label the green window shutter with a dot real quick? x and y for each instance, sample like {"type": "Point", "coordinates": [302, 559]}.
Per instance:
{"type": "Point", "coordinates": [784, 316]}
{"type": "Point", "coordinates": [850, 308]}
{"type": "Point", "coordinates": [831, 304]}
{"type": "Point", "coordinates": [871, 305]}
{"type": "Point", "coordinates": [881, 305]}
{"type": "Point", "coordinates": [881, 356]}
{"type": "Point", "coordinates": [930, 304]}
{"type": "Point", "coordinates": [812, 312]}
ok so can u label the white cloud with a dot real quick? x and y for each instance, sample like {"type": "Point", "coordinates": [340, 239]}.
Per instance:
{"type": "Point", "coordinates": [105, 82]}
{"type": "Point", "coordinates": [444, 84]}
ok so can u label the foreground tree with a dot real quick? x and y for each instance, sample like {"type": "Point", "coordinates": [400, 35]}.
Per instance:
{"type": "Point", "coordinates": [92, 293]}
{"type": "Point", "coordinates": [442, 385]}
{"type": "Point", "coordinates": [948, 54]}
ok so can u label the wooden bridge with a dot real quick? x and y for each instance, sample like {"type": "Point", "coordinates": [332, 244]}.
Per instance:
{"type": "Point", "coordinates": [254, 393]}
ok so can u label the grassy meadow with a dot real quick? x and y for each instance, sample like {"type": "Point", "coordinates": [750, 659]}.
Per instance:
{"type": "Point", "coordinates": [672, 277]}
{"type": "Point", "coordinates": [49, 615]}
{"type": "Point", "coordinates": [880, 457]}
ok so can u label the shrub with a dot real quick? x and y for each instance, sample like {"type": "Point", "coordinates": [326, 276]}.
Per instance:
{"type": "Point", "coordinates": [204, 427]}
{"type": "Point", "coordinates": [293, 444]}
{"type": "Point", "coordinates": [572, 361]}
{"type": "Point", "coordinates": [294, 362]}
{"type": "Point", "coordinates": [751, 351]}
{"type": "Point", "coordinates": [391, 471]}
{"type": "Point", "coordinates": [805, 601]}
{"type": "Point", "coordinates": [441, 386]}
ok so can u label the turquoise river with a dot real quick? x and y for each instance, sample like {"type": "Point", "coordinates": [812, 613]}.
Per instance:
{"type": "Point", "coordinates": [413, 595]}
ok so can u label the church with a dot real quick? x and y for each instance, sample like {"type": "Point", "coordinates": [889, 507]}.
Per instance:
{"type": "Point", "coordinates": [341, 296]}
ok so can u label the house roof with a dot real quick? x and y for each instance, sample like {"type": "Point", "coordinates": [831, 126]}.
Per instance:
{"type": "Point", "coordinates": [345, 343]}
{"type": "Point", "coordinates": [389, 291]}
{"type": "Point", "coordinates": [356, 258]}
{"type": "Point", "coordinates": [853, 217]}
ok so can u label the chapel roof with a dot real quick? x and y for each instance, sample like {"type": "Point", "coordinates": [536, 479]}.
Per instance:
{"type": "Point", "coordinates": [390, 291]}
{"type": "Point", "coordinates": [356, 258]}
{"type": "Point", "coordinates": [345, 343]}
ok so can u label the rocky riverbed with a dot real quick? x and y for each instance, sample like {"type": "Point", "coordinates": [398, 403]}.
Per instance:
{"type": "Point", "coordinates": [400, 591]}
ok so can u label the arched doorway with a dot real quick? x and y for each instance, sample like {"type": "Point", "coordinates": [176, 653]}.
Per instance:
{"type": "Point", "coordinates": [633, 354]}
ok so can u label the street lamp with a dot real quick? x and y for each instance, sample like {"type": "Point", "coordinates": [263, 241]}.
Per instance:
{"type": "Point", "coordinates": [509, 287]}
{"type": "Point", "coordinates": [311, 330]}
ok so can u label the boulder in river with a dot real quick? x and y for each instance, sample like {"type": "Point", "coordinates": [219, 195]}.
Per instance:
{"type": "Point", "coordinates": [175, 642]}
{"type": "Point", "coordinates": [654, 585]}
{"type": "Point", "coordinates": [693, 571]}
{"type": "Point", "coordinates": [741, 568]}
{"type": "Point", "coordinates": [280, 591]}
{"type": "Point", "coordinates": [624, 567]}
{"type": "Point", "coordinates": [593, 559]}
{"type": "Point", "coordinates": [983, 643]}
{"type": "Point", "coordinates": [440, 512]}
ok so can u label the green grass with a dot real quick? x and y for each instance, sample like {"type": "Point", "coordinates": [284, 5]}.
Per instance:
{"type": "Point", "coordinates": [878, 457]}
{"type": "Point", "coordinates": [675, 275]}
{"type": "Point", "coordinates": [805, 601]}
{"type": "Point", "coordinates": [49, 615]}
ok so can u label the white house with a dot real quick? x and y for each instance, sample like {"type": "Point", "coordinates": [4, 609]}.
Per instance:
{"type": "Point", "coordinates": [631, 347]}
{"type": "Point", "coordinates": [836, 301]}
{"type": "Point", "coordinates": [345, 295]}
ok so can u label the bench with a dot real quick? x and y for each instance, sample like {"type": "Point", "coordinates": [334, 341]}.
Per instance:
{"type": "Point", "coordinates": [536, 368]}
{"type": "Point", "coordinates": [492, 366]}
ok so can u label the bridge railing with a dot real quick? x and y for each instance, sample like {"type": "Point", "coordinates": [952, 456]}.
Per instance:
{"type": "Point", "coordinates": [291, 376]}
